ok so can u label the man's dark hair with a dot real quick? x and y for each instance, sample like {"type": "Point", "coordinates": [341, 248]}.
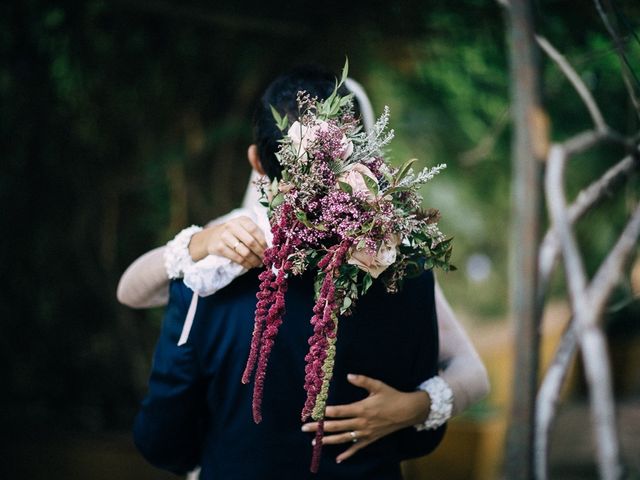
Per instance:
{"type": "Point", "coordinates": [281, 94]}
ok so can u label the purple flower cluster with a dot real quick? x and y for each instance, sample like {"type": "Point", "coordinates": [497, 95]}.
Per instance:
{"type": "Point", "coordinates": [375, 165]}
{"type": "Point", "coordinates": [269, 309]}
{"type": "Point", "coordinates": [343, 213]}
{"type": "Point", "coordinates": [317, 447]}
{"type": "Point", "coordinates": [329, 144]}
{"type": "Point", "coordinates": [324, 322]}
{"type": "Point", "coordinates": [323, 326]}
{"type": "Point", "coordinates": [322, 173]}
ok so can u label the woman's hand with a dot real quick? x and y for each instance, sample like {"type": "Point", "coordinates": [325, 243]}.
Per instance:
{"type": "Point", "coordinates": [240, 240]}
{"type": "Point", "coordinates": [384, 411]}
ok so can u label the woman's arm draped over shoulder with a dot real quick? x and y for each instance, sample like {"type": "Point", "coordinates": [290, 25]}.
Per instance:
{"type": "Point", "coordinates": [145, 283]}
{"type": "Point", "coordinates": [462, 367]}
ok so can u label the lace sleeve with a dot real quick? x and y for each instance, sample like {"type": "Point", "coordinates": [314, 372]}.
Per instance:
{"type": "Point", "coordinates": [176, 255]}
{"type": "Point", "coordinates": [207, 276]}
{"type": "Point", "coordinates": [210, 274]}
{"type": "Point", "coordinates": [441, 407]}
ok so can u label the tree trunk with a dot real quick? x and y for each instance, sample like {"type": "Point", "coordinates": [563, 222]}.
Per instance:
{"type": "Point", "coordinates": [528, 147]}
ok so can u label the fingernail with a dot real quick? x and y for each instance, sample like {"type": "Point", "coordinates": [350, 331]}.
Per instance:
{"type": "Point", "coordinates": [305, 428]}
{"type": "Point", "coordinates": [313, 442]}
{"type": "Point", "coordinates": [351, 376]}
{"type": "Point", "coordinates": [338, 460]}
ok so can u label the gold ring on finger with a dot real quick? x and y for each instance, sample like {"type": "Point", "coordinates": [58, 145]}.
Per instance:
{"type": "Point", "coordinates": [354, 437]}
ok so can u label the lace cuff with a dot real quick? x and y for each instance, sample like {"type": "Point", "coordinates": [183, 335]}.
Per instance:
{"type": "Point", "coordinates": [212, 273]}
{"type": "Point", "coordinates": [441, 403]}
{"type": "Point", "coordinates": [176, 255]}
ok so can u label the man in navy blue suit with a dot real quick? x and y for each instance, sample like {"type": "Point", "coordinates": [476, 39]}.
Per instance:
{"type": "Point", "coordinates": [197, 411]}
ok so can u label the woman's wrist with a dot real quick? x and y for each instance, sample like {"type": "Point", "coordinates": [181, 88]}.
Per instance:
{"type": "Point", "coordinates": [440, 403]}
{"type": "Point", "coordinates": [176, 255]}
{"type": "Point", "coordinates": [420, 406]}
{"type": "Point", "coordinates": [199, 244]}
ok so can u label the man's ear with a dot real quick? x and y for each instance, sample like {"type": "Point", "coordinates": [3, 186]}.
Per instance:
{"type": "Point", "coordinates": [254, 159]}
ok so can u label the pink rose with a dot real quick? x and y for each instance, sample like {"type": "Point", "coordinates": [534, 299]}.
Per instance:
{"type": "Point", "coordinates": [301, 136]}
{"type": "Point", "coordinates": [354, 177]}
{"type": "Point", "coordinates": [378, 263]}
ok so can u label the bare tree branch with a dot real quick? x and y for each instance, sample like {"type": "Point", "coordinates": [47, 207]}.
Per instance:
{"type": "Point", "coordinates": [575, 80]}
{"type": "Point", "coordinates": [556, 203]}
{"type": "Point", "coordinates": [598, 372]}
{"type": "Point", "coordinates": [549, 392]}
{"type": "Point", "coordinates": [585, 200]}
{"type": "Point", "coordinates": [610, 271]}
{"type": "Point", "coordinates": [549, 396]}
{"type": "Point", "coordinates": [582, 141]}
{"type": "Point", "coordinates": [590, 336]}
{"type": "Point", "coordinates": [590, 196]}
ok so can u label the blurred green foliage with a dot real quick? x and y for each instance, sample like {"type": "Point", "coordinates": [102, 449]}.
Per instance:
{"type": "Point", "coordinates": [122, 122]}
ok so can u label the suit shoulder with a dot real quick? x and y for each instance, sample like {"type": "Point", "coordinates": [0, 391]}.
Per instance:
{"type": "Point", "coordinates": [422, 283]}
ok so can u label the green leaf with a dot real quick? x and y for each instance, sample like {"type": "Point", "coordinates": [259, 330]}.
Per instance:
{"type": "Point", "coordinates": [367, 281]}
{"type": "Point", "coordinates": [274, 187]}
{"type": "Point", "coordinates": [371, 184]}
{"type": "Point", "coordinates": [404, 169]}
{"type": "Point", "coordinates": [327, 105]}
{"type": "Point", "coordinates": [345, 100]}
{"type": "Point", "coordinates": [368, 226]}
{"type": "Point", "coordinates": [276, 115]}
{"type": "Point", "coordinates": [347, 302]}
{"type": "Point", "coordinates": [334, 106]}
{"type": "Point", "coordinates": [300, 215]}
{"type": "Point", "coordinates": [345, 70]}
{"type": "Point", "coordinates": [277, 200]}
{"type": "Point", "coordinates": [302, 218]}
{"type": "Point", "coordinates": [446, 244]}
{"type": "Point", "coordinates": [345, 187]}
{"type": "Point", "coordinates": [337, 167]}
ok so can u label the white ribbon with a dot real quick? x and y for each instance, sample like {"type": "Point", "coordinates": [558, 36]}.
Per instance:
{"type": "Point", "coordinates": [188, 322]}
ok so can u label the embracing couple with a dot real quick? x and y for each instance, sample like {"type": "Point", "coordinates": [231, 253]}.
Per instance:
{"type": "Point", "coordinates": [400, 367]}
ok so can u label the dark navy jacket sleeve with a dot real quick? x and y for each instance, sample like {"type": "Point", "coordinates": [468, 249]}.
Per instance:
{"type": "Point", "coordinates": [168, 430]}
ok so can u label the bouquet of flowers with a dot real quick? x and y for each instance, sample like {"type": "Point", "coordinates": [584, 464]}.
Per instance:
{"type": "Point", "coordinates": [342, 211]}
